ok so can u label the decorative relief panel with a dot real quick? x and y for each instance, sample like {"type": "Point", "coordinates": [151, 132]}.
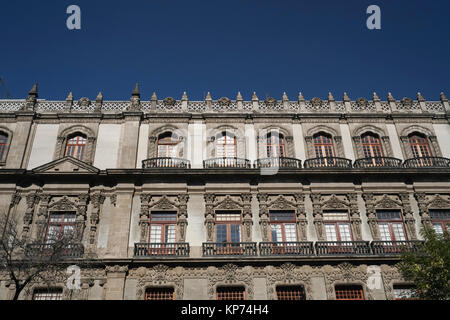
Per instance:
{"type": "Point", "coordinates": [429, 202]}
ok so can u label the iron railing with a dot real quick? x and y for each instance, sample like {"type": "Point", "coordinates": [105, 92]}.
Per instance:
{"type": "Point", "coordinates": [395, 247]}
{"type": "Point", "coordinates": [212, 249]}
{"type": "Point", "coordinates": [180, 249]}
{"type": "Point", "coordinates": [431, 162]}
{"type": "Point", "coordinates": [282, 162]}
{"type": "Point", "coordinates": [378, 162]}
{"type": "Point", "coordinates": [334, 248]}
{"type": "Point", "coordinates": [286, 249]}
{"type": "Point", "coordinates": [328, 162]}
{"type": "Point", "coordinates": [226, 162]}
{"type": "Point", "coordinates": [63, 251]}
{"type": "Point", "coordinates": [166, 162]}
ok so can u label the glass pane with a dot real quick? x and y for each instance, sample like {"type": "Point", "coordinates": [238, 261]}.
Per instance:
{"type": "Point", "coordinates": [291, 234]}
{"type": "Point", "coordinates": [438, 228]}
{"type": "Point", "coordinates": [170, 233]}
{"type": "Point", "coordinates": [384, 232]}
{"type": "Point", "coordinates": [276, 233]}
{"type": "Point", "coordinates": [330, 230]}
{"type": "Point", "coordinates": [155, 234]}
{"type": "Point", "coordinates": [344, 230]}
{"type": "Point", "coordinates": [221, 233]}
{"type": "Point", "coordinates": [235, 233]}
{"type": "Point", "coordinates": [398, 231]}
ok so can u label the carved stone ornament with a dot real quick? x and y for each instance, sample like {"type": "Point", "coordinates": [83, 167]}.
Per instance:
{"type": "Point", "coordinates": [169, 102]}
{"type": "Point", "coordinates": [224, 102]}
{"type": "Point", "coordinates": [270, 101]}
{"type": "Point", "coordinates": [84, 103]}
{"type": "Point", "coordinates": [407, 102]}
{"type": "Point", "coordinates": [362, 103]}
{"type": "Point", "coordinates": [316, 102]}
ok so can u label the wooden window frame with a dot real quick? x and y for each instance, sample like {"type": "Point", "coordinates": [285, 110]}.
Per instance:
{"type": "Point", "coordinates": [228, 136]}
{"type": "Point", "coordinates": [371, 145]}
{"type": "Point", "coordinates": [319, 143]}
{"type": "Point", "coordinates": [275, 143]}
{"type": "Point", "coordinates": [445, 223]}
{"type": "Point", "coordinates": [283, 223]}
{"type": "Point", "coordinates": [337, 222]}
{"type": "Point", "coordinates": [420, 145]}
{"type": "Point", "coordinates": [229, 223]}
{"type": "Point", "coordinates": [61, 224]}
{"type": "Point", "coordinates": [162, 223]}
{"type": "Point", "coordinates": [169, 140]}
{"type": "Point", "coordinates": [390, 223]}
{"type": "Point", "coordinates": [73, 142]}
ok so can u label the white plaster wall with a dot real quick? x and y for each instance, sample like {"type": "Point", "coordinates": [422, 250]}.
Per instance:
{"type": "Point", "coordinates": [311, 230]}
{"type": "Point", "coordinates": [106, 153]}
{"type": "Point", "coordinates": [189, 143]}
{"type": "Point", "coordinates": [142, 145]}
{"type": "Point", "coordinates": [103, 229]}
{"type": "Point", "coordinates": [443, 138]}
{"type": "Point", "coordinates": [395, 141]}
{"type": "Point", "coordinates": [199, 144]}
{"type": "Point", "coordinates": [299, 144]}
{"type": "Point", "coordinates": [256, 232]}
{"type": "Point", "coordinates": [134, 228]}
{"type": "Point", "coordinates": [347, 142]}
{"type": "Point", "coordinates": [196, 231]}
{"type": "Point", "coordinates": [43, 145]}
{"type": "Point", "coordinates": [250, 139]}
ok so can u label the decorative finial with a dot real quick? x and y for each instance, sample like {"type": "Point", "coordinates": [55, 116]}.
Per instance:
{"type": "Point", "coordinates": [254, 96]}
{"type": "Point", "coordinates": [184, 97]}
{"type": "Point", "coordinates": [346, 97]}
{"type": "Point", "coordinates": [34, 91]}
{"type": "Point", "coordinates": [70, 96]}
{"type": "Point", "coordinates": [285, 97]}
{"type": "Point", "coordinates": [391, 97]}
{"type": "Point", "coordinates": [154, 97]}
{"type": "Point", "coordinates": [420, 97]}
{"type": "Point", "coordinates": [136, 91]}
{"type": "Point", "coordinates": [239, 96]}
{"type": "Point", "coordinates": [99, 97]}
{"type": "Point", "coordinates": [300, 97]}
{"type": "Point", "coordinates": [330, 97]}
{"type": "Point", "coordinates": [443, 97]}
{"type": "Point", "coordinates": [375, 97]}
{"type": "Point", "coordinates": [208, 96]}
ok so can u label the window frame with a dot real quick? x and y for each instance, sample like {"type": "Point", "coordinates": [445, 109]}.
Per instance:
{"type": "Point", "coordinates": [336, 224]}
{"type": "Point", "coordinates": [275, 141]}
{"type": "Point", "coordinates": [371, 149]}
{"type": "Point", "coordinates": [283, 223]}
{"type": "Point", "coordinates": [390, 223]}
{"type": "Point", "coordinates": [302, 292]}
{"type": "Point", "coordinates": [445, 223]}
{"type": "Point", "coordinates": [76, 146]}
{"type": "Point", "coordinates": [6, 145]}
{"type": "Point", "coordinates": [60, 224]}
{"type": "Point", "coordinates": [228, 224]}
{"type": "Point", "coordinates": [419, 148]}
{"type": "Point", "coordinates": [163, 224]}
{"type": "Point", "coordinates": [170, 141]}
{"type": "Point", "coordinates": [228, 136]}
{"type": "Point", "coordinates": [322, 145]}
{"type": "Point", "coordinates": [47, 292]}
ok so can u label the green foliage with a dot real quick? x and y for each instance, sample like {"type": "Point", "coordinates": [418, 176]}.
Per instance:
{"type": "Point", "coordinates": [429, 267]}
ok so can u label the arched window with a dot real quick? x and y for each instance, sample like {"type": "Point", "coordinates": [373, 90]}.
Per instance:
{"type": "Point", "coordinates": [371, 146]}
{"type": "Point", "coordinates": [275, 145]}
{"type": "Point", "coordinates": [3, 145]}
{"type": "Point", "coordinates": [323, 145]}
{"type": "Point", "coordinates": [167, 145]}
{"type": "Point", "coordinates": [76, 146]}
{"type": "Point", "coordinates": [226, 146]}
{"type": "Point", "coordinates": [419, 145]}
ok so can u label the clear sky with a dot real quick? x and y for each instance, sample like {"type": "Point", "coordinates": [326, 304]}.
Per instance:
{"type": "Point", "coordinates": [171, 46]}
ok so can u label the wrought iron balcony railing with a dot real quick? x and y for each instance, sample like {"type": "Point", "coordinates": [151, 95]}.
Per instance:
{"type": "Point", "coordinates": [226, 162]}
{"type": "Point", "coordinates": [328, 162]}
{"type": "Point", "coordinates": [286, 249]}
{"type": "Point", "coordinates": [213, 249]}
{"type": "Point", "coordinates": [166, 163]}
{"type": "Point", "coordinates": [334, 248]}
{"type": "Point", "coordinates": [55, 250]}
{"type": "Point", "coordinates": [427, 162]}
{"type": "Point", "coordinates": [395, 247]}
{"type": "Point", "coordinates": [160, 250]}
{"type": "Point", "coordinates": [378, 162]}
{"type": "Point", "coordinates": [275, 162]}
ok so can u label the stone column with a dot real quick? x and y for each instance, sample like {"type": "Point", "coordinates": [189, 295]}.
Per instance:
{"type": "Point", "coordinates": [410, 222]}
{"type": "Point", "coordinates": [182, 220]}
{"type": "Point", "coordinates": [355, 219]}
{"type": "Point", "coordinates": [264, 217]}
{"type": "Point", "coordinates": [209, 216]}
{"type": "Point", "coordinates": [318, 217]}
{"type": "Point", "coordinates": [421, 198]}
{"type": "Point", "coordinates": [372, 215]}
{"type": "Point", "coordinates": [247, 217]}
{"type": "Point", "coordinates": [302, 222]}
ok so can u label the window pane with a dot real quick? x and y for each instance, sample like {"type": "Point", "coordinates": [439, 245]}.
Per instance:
{"type": "Point", "coordinates": [330, 230]}
{"type": "Point", "coordinates": [235, 233]}
{"type": "Point", "coordinates": [221, 233]}
{"type": "Point", "coordinates": [282, 216]}
{"type": "Point", "coordinates": [344, 230]}
{"type": "Point", "coordinates": [291, 233]}
{"type": "Point", "coordinates": [389, 215]}
{"type": "Point", "coordinates": [438, 228]}
{"type": "Point", "coordinates": [335, 216]}
{"type": "Point", "coordinates": [170, 233]}
{"type": "Point", "coordinates": [384, 232]}
{"type": "Point", "coordinates": [398, 231]}
{"type": "Point", "coordinates": [276, 233]}
{"type": "Point", "coordinates": [155, 234]}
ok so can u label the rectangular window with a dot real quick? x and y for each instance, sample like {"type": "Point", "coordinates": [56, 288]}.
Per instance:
{"type": "Point", "coordinates": [230, 293]}
{"type": "Point", "coordinates": [404, 292]}
{"type": "Point", "coordinates": [349, 293]}
{"type": "Point", "coordinates": [440, 220]}
{"type": "Point", "coordinates": [48, 294]}
{"type": "Point", "coordinates": [160, 294]}
{"type": "Point", "coordinates": [337, 226]}
{"type": "Point", "coordinates": [228, 226]}
{"type": "Point", "coordinates": [163, 227]}
{"type": "Point", "coordinates": [283, 226]}
{"type": "Point", "coordinates": [391, 225]}
{"type": "Point", "coordinates": [60, 226]}
{"type": "Point", "coordinates": [291, 293]}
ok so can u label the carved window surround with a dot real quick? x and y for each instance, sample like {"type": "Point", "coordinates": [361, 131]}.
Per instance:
{"type": "Point", "coordinates": [290, 275]}
{"type": "Point", "coordinates": [8, 145]}
{"type": "Point", "coordinates": [385, 141]}
{"type": "Point", "coordinates": [399, 202]}
{"type": "Point", "coordinates": [151, 203]}
{"type": "Point", "coordinates": [269, 202]}
{"type": "Point", "coordinates": [63, 137]}
{"type": "Point", "coordinates": [431, 137]}
{"type": "Point", "coordinates": [337, 145]}
{"type": "Point", "coordinates": [262, 142]}
{"type": "Point", "coordinates": [230, 275]}
{"type": "Point", "coordinates": [216, 133]}
{"type": "Point", "coordinates": [152, 151]}
{"type": "Point", "coordinates": [429, 202]}
{"type": "Point", "coordinates": [97, 200]}
{"type": "Point", "coordinates": [240, 203]}
{"type": "Point", "coordinates": [347, 202]}
{"type": "Point", "coordinates": [50, 203]}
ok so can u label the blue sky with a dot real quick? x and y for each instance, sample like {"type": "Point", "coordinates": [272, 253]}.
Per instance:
{"type": "Point", "coordinates": [171, 46]}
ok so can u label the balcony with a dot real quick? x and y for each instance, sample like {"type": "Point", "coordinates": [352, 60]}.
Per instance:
{"type": "Point", "coordinates": [286, 249]}
{"type": "Point", "coordinates": [378, 162]}
{"type": "Point", "coordinates": [395, 247]}
{"type": "Point", "coordinates": [166, 163]}
{"type": "Point", "coordinates": [160, 250]}
{"type": "Point", "coordinates": [214, 249]}
{"type": "Point", "coordinates": [51, 250]}
{"type": "Point", "coordinates": [274, 162]}
{"type": "Point", "coordinates": [226, 162]}
{"type": "Point", "coordinates": [336, 248]}
{"type": "Point", "coordinates": [328, 162]}
{"type": "Point", "coordinates": [427, 162]}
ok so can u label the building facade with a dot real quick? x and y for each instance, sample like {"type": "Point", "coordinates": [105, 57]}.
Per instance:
{"type": "Point", "coordinates": [226, 199]}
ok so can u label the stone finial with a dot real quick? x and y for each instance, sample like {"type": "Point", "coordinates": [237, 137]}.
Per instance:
{"type": "Point", "coordinates": [99, 102]}
{"type": "Point", "coordinates": [330, 97]}
{"type": "Point", "coordinates": [69, 97]}
{"type": "Point", "coordinates": [99, 97]}
{"type": "Point", "coordinates": [420, 97]}
{"type": "Point", "coordinates": [300, 97]}
{"type": "Point", "coordinates": [346, 97]}
{"type": "Point", "coordinates": [239, 96]}
{"type": "Point", "coordinates": [391, 97]}
{"type": "Point", "coordinates": [184, 97]}
{"type": "Point", "coordinates": [154, 97]}
{"type": "Point", "coordinates": [285, 97]}
{"type": "Point", "coordinates": [443, 97]}
{"type": "Point", "coordinates": [254, 97]}
{"type": "Point", "coordinates": [34, 91]}
{"type": "Point", "coordinates": [375, 97]}
{"type": "Point", "coordinates": [136, 92]}
{"type": "Point", "coordinates": [208, 96]}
